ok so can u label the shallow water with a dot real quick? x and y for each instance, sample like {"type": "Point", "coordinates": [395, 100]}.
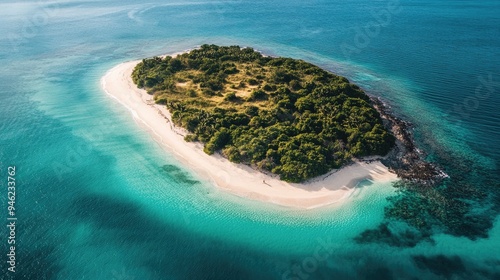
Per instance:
{"type": "Point", "coordinates": [98, 198]}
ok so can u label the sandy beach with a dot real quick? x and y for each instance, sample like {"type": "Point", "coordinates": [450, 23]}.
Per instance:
{"type": "Point", "coordinates": [237, 179]}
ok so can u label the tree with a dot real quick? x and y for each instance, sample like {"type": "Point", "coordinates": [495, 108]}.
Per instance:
{"type": "Point", "coordinates": [218, 141]}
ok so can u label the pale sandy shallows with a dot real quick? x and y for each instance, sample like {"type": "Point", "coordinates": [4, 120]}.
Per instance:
{"type": "Point", "coordinates": [238, 179]}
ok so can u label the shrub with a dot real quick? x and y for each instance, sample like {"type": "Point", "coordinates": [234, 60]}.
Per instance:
{"type": "Point", "coordinates": [190, 138]}
{"type": "Point", "coordinates": [295, 85]}
{"type": "Point", "coordinates": [218, 141]}
{"type": "Point", "coordinates": [231, 96]}
{"type": "Point", "coordinates": [162, 99]}
{"type": "Point", "coordinates": [258, 95]}
{"type": "Point", "coordinates": [232, 154]}
{"type": "Point", "coordinates": [231, 70]}
{"type": "Point", "coordinates": [252, 111]}
{"type": "Point", "coordinates": [267, 87]}
{"type": "Point", "coordinates": [252, 82]}
{"type": "Point", "coordinates": [208, 92]}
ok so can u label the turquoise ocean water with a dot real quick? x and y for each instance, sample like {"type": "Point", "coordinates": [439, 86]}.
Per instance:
{"type": "Point", "coordinates": [98, 198]}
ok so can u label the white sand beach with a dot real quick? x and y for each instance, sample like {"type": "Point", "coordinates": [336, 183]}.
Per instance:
{"type": "Point", "coordinates": [238, 179]}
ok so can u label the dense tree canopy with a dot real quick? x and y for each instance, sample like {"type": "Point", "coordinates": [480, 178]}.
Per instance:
{"type": "Point", "coordinates": [282, 115]}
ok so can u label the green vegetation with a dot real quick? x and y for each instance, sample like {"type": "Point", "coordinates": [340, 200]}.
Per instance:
{"type": "Point", "coordinates": [281, 115]}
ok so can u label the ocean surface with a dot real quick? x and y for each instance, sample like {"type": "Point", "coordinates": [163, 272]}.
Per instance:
{"type": "Point", "coordinates": [98, 198]}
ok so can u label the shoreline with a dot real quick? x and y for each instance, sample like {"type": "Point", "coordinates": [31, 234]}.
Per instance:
{"type": "Point", "coordinates": [238, 179]}
{"type": "Point", "coordinates": [405, 159]}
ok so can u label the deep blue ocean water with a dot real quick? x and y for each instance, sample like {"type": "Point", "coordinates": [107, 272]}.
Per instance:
{"type": "Point", "coordinates": [98, 198]}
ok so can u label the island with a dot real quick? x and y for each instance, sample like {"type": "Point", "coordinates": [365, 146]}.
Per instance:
{"type": "Point", "coordinates": [270, 128]}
